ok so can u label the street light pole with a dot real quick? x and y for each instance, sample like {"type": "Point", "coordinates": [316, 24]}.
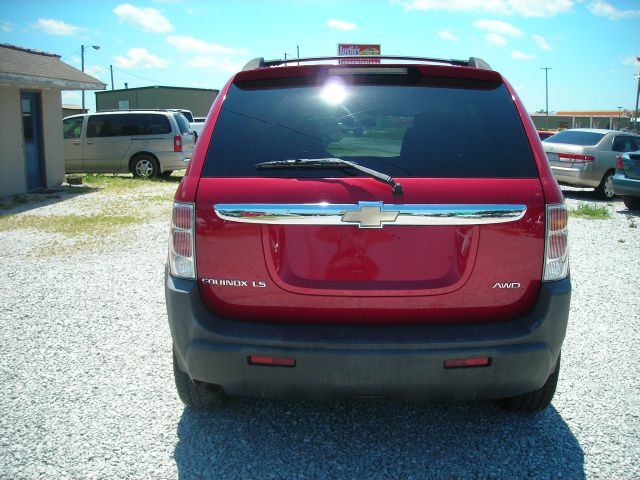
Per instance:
{"type": "Point", "coordinates": [619, 116]}
{"type": "Point", "coordinates": [82, 47]}
{"type": "Point", "coordinates": [546, 89]}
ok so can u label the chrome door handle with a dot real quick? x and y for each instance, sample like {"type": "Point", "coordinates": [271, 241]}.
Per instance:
{"type": "Point", "coordinates": [90, 142]}
{"type": "Point", "coordinates": [76, 142]}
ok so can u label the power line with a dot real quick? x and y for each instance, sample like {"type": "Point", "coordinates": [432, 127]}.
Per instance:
{"type": "Point", "coordinates": [142, 78]}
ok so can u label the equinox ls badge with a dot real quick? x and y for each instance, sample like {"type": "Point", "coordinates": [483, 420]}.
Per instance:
{"type": "Point", "coordinates": [370, 215]}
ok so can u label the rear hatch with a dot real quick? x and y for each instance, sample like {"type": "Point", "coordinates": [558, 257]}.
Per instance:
{"type": "Point", "coordinates": [318, 243]}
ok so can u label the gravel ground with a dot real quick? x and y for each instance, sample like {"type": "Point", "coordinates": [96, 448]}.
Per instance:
{"type": "Point", "coordinates": [87, 387]}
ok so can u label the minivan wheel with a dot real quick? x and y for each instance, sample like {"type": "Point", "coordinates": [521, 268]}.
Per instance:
{"type": "Point", "coordinates": [145, 166]}
{"type": "Point", "coordinates": [197, 394]}
{"type": "Point", "coordinates": [632, 203]}
{"type": "Point", "coordinates": [533, 401]}
{"type": "Point", "coordinates": [605, 189]}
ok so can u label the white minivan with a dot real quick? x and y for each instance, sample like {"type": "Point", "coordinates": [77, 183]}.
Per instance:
{"type": "Point", "coordinates": [147, 143]}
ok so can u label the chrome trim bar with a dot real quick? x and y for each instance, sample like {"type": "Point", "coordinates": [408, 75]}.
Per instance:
{"type": "Point", "coordinates": [369, 214]}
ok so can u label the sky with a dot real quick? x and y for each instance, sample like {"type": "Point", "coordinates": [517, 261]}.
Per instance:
{"type": "Point", "coordinates": [591, 46]}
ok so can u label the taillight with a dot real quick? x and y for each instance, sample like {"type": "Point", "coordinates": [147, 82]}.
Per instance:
{"type": "Point", "coordinates": [556, 251]}
{"type": "Point", "coordinates": [619, 162]}
{"type": "Point", "coordinates": [575, 158]}
{"type": "Point", "coordinates": [177, 143]}
{"type": "Point", "coordinates": [182, 260]}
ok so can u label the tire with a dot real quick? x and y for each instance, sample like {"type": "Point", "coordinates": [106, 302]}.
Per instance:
{"type": "Point", "coordinates": [533, 401]}
{"type": "Point", "coordinates": [605, 189]}
{"type": "Point", "coordinates": [145, 166]}
{"type": "Point", "coordinates": [632, 203]}
{"type": "Point", "coordinates": [197, 394]}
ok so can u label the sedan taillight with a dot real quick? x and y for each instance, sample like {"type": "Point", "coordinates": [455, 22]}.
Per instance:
{"type": "Point", "coordinates": [556, 250]}
{"type": "Point", "coordinates": [575, 158]}
{"type": "Point", "coordinates": [182, 259]}
{"type": "Point", "coordinates": [619, 165]}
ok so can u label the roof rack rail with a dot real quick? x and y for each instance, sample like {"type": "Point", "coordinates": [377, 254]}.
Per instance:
{"type": "Point", "coordinates": [260, 62]}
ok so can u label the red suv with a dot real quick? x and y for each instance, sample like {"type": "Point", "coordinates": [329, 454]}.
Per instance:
{"type": "Point", "coordinates": [385, 230]}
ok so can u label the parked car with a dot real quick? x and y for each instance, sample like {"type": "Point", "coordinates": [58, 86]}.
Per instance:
{"type": "Point", "coordinates": [544, 134]}
{"type": "Point", "coordinates": [585, 157]}
{"type": "Point", "coordinates": [626, 181]}
{"type": "Point", "coordinates": [196, 126]}
{"type": "Point", "coordinates": [416, 261]}
{"type": "Point", "coordinates": [146, 143]}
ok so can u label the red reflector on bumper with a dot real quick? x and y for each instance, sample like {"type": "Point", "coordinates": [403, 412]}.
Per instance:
{"type": "Point", "coordinates": [276, 362]}
{"type": "Point", "coordinates": [467, 362]}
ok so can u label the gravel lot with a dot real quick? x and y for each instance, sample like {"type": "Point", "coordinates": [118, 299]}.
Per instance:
{"type": "Point", "coordinates": [87, 387]}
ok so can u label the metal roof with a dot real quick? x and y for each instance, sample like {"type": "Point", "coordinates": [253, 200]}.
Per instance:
{"type": "Point", "coordinates": [25, 67]}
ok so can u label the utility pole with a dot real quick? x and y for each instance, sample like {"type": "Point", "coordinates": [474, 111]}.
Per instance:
{"type": "Point", "coordinates": [635, 123]}
{"type": "Point", "coordinates": [111, 68]}
{"type": "Point", "coordinates": [546, 89]}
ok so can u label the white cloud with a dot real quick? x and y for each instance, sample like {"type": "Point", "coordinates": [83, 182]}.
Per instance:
{"type": "Point", "coordinates": [146, 19]}
{"type": "Point", "coordinates": [604, 9]}
{"type": "Point", "coordinates": [447, 35]}
{"type": "Point", "coordinates": [94, 70]}
{"type": "Point", "coordinates": [525, 8]}
{"type": "Point", "coordinates": [6, 26]}
{"type": "Point", "coordinates": [341, 25]}
{"type": "Point", "coordinates": [631, 60]}
{"type": "Point", "coordinates": [521, 55]}
{"type": "Point", "coordinates": [499, 27]}
{"type": "Point", "coordinates": [55, 27]}
{"type": "Point", "coordinates": [193, 45]}
{"type": "Point", "coordinates": [223, 64]}
{"type": "Point", "coordinates": [496, 39]}
{"type": "Point", "coordinates": [541, 42]}
{"type": "Point", "coordinates": [139, 58]}
{"type": "Point", "coordinates": [70, 96]}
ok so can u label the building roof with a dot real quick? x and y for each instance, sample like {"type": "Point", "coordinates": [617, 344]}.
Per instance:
{"type": "Point", "coordinates": [26, 67]}
{"type": "Point", "coordinates": [168, 87]}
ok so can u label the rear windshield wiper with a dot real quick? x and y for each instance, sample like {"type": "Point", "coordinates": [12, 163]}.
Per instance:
{"type": "Point", "coordinates": [330, 163]}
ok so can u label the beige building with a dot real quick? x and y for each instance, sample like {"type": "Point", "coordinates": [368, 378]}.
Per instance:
{"type": "Point", "coordinates": [31, 82]}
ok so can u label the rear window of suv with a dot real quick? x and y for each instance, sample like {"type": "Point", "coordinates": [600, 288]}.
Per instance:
{"type": "Point", "coordinates": [183, 123]}
{"type": "Point", "coordinates": [417, 128]}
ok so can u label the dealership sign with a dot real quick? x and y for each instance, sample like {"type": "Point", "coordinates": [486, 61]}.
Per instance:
{"type": "Point", "coordinates": [358, 50]}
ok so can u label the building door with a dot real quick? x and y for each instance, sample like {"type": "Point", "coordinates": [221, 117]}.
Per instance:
{"type": "Point", "coordinates": [32, 133]}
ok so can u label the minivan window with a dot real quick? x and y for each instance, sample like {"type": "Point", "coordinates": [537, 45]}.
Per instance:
{"type": "Point", "coordinates": [72, 127]}
{"type": "Point", "coordinates": [574, 137]}
{"type": "Point", "coordinates": [433, 129]}
{"type": "Point", "coordinates": [127, 124]}
{"type": "Point", "coordinates": [183, 123]}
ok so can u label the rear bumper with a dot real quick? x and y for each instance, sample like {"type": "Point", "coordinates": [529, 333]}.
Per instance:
{"type": "Point", "coordinates": [625, 186]}
{"type": "Point", "coordinates": [579, 176]}
{"type": "Point", "coordinates": [398, 362]}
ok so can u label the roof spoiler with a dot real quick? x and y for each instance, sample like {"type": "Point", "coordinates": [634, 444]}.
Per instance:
{"type": "Point", "coordinates": [260, 62]}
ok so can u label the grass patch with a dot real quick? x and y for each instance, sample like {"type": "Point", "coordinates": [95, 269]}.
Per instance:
{"type": "Point", "coordinates": [590, 211]}
{"type": "Point", "coordinates": [69, 225]}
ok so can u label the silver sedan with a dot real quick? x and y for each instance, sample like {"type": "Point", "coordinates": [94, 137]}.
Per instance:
{"type": "Point", "coordinates": [586, 157]}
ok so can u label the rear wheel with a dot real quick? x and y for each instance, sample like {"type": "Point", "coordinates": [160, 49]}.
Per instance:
{"type": "Point", "coordinates": [632, 203]}
{"type": "Point", "coordinates": [197, 394]}
{"type": "Point", "coordinates": [533, 401]}
{"type": "Point", "coordinates": [145, 166]}
{"type": "Point", "coordinates": [605, 189]}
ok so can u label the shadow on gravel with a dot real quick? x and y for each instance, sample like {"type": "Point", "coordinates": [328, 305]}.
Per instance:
{"type": "Point", "coordinates": [262, 439]}
{"type": "Point", "coordinates": [29, 201]}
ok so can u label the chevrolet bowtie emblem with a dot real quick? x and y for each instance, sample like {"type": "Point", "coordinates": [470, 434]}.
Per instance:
{"type": "Point", "coordinates": [370, 215]}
